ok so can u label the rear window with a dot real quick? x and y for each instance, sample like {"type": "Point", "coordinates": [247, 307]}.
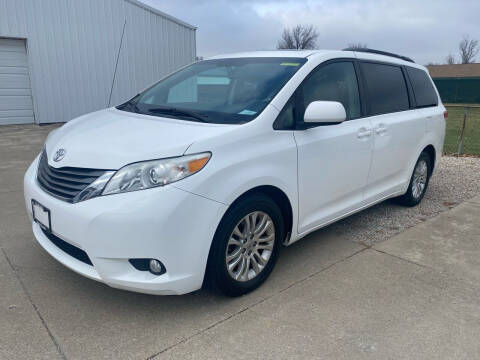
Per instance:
{"type": "Point", "coordinates": [386, 88]}
{"type": "Point", "coordinates": [423, 90]}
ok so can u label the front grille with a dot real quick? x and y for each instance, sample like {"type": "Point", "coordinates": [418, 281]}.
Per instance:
{"type": "Point", "coordinates": [70, 249]}
{"type": "Point", "coordinates": [67, 182]}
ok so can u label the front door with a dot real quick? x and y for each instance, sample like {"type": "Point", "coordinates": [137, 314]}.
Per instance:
{"type": "Point", "coordinates": [333, 160]}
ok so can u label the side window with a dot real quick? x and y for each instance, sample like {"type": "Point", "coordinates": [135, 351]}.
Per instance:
{"type": "Point", "coordinates": [423, 90]}
{"type": "Point", "coordinates": [386, 88]}
{"type": "Point", "coordinates": [334, 82]}
{"type": "Point", "coordinates": [286, 119]}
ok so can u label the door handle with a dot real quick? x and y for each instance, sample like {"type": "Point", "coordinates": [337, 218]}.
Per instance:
{"type": "Point", "coordinates": [364, 132]}
{"type": "Point", "coordinates": [380, 129]}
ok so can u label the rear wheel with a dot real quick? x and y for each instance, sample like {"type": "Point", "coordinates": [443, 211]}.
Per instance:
{"type": "Point", "coordinates": [246, 245]}
{"type": "Point", "coordinates": [418, 182]}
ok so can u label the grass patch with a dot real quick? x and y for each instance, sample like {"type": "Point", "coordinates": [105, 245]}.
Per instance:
{"type": "Point", "coordinates": [471, 141]}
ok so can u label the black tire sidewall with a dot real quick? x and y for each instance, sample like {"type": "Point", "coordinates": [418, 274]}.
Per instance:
{"type": "Point", "coordinates": [409, 198]}
{"type": "Point", "coordinates": [217, 269]}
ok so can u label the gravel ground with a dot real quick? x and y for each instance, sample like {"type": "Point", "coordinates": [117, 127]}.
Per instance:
{"type": "Point", "coordinates": [455, 180]}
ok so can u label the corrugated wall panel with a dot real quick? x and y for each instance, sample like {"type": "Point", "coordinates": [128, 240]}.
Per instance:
{"type": "Point", "coordinates": [72, 49]}
{"type": "Point", "coordinates": [15, 91]}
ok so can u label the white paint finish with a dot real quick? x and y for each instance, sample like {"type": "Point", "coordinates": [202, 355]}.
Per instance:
{"type": "Point", "coordinates": [73, 45]}
{"type": "Point", "coordinates": [333, 167]}
{"type": "Point", "coordinates": [247, 156]}
{"type": "Point", "coordinates": [397, 138]}
{"type": "Point", "coordinates": [326, 172]}
{"type": "Point", "coordinates": [165, 138]}
{"type": "Point", "coordinates": [324, 112]}
{"type": "Point", "coordinates": [95, 229]}
{"type": "Point", "coordinates": [15, 93]}
{"type": "Point", "coordinates": [435, 124]}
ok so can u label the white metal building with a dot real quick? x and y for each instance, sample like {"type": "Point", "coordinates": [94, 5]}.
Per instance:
{"type": "Point", "coordinates": [58, 57]}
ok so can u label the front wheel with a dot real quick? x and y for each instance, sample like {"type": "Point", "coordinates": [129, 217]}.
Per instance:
{"type": "Point", "coordinates": [246, 245]}
{"type": "Point", "coordinates": [418, 182]}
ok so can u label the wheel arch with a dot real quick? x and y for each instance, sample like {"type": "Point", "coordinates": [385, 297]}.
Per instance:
{"type": "Point", "coordinates": [274, 193]}
{"type": "Point", "coordinates": [279, 197]}
{"type": "Point", "coordinates": [430, 150]}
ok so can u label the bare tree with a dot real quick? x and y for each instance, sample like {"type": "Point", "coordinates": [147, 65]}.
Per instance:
{"type": "Point", "coordinates": [468, 49]}
{"type": "Point", "coordinates": [299, 37]}
{"type": "Point", "coordinates": [450, 59]}
{"type": "Point", "coordinates": [357, 46]}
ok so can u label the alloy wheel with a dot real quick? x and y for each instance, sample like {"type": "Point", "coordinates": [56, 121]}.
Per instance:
{"type": "Point", "coordinates": [419, 179]}
{"type": "Point", "coordinates": [250, 246]}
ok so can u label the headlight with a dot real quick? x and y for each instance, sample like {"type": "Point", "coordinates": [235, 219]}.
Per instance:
{"type": "Point", "coordinates": [95, 188]}
{"type": "Point", "coordinates": [148, 174]}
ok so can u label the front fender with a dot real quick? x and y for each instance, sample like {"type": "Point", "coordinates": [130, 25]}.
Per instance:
{"type": "Point", "coordinates": [266, 158]}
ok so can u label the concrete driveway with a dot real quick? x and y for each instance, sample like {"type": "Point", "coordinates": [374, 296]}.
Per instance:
{"type": "Point", "coordinates": [413, 296]}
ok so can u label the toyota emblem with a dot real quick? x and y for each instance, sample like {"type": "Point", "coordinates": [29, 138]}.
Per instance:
{"type": "Point", "coordinates": [59, 155]}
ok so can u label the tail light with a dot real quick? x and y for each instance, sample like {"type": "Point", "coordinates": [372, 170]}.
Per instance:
{"type": "Point", "coordinates": [445, 114]}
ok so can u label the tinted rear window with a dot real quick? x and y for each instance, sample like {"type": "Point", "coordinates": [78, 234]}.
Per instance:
{"type": "Point", "coordinates": [425, 94]}
{"type": "Point", "coordinates": [386, 88]}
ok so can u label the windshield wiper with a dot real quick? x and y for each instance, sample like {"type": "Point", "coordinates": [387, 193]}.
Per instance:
{"type": "Point", "coordinates": [179, 112]}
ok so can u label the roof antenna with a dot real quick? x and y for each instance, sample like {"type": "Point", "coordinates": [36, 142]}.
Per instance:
{"type": "Point", "coordinates": [116, 63]}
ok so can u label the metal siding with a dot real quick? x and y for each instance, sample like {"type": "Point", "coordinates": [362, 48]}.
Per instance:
{"type": "Point", "coordinates": [72, 48]}
{"type": "Point", "coordinates": [15, 94]}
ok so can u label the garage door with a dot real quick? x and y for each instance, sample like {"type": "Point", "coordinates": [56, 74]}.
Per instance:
{"type": "Point", "coordinates": [16, 105]}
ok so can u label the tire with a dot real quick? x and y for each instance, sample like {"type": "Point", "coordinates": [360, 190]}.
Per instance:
{"type": "Point", "coordinates": [234, 239]}
{"type": "Point", "coordinates": [414, 194]}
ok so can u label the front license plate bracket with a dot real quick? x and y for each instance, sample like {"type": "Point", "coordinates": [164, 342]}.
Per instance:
{"type": "Point", "coordinates": [41, 215]}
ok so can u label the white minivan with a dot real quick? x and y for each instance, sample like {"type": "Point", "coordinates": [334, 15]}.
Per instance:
{"type": "Point", "coordinates": [201, 178]}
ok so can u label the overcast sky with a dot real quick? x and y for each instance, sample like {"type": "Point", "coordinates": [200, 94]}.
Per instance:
{"type": "Point", "coordinates": [426, 30]}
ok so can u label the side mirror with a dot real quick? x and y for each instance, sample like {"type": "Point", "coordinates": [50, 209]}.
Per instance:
{"type": "Point", "coordinates": [324, 112]}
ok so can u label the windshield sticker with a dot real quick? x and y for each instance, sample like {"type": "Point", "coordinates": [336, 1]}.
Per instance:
{"type": "Point", "coordinates": [289, 64]}
{"type": "Point", "coordinates": [247, 112]}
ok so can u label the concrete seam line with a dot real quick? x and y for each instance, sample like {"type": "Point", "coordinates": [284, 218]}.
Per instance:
{"type": "Point", "coordinates": [44, 323]}
{"type": "Point", "coordinates": [403, 259]}
{"type": "Point", "coordinates": [253, 305]}
{"type": "Point", "coordinates": [12, 190]}
{"type": "Point", "coordinates": [9, 191]}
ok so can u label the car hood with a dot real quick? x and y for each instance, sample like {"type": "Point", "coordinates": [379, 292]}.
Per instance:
{"type": "Point", "coordinates": [110, 139]}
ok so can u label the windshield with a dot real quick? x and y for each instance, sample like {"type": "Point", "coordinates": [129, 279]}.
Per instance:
{"type": "Point", "coordinates": [223, 91]}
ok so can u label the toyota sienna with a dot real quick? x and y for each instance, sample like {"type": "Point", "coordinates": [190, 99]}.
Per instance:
{"type": "Point", "coordinates": [202, 177]}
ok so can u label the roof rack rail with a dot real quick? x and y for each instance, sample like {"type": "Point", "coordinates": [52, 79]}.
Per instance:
{"type": "Point", "coordinates": [379, 52]}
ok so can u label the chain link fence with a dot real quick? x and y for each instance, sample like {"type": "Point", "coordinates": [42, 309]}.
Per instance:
{"type": "Point", "coordinates": [463, 129]}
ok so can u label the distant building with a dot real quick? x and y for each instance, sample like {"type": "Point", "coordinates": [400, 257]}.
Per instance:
{"type": "Point", "coordinates": [457, 83]}
{"type": "Point", "coordinates": [63, 58]}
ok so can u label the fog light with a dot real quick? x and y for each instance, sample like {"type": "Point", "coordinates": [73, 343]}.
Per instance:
{"type": "Point", "coordinates": [145, 264]}
{"type": "Point", "coordinates": [155, 267]}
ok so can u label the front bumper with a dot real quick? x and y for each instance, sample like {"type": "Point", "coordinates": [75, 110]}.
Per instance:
{"type": "Point", "coordinates": [165, 223]}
